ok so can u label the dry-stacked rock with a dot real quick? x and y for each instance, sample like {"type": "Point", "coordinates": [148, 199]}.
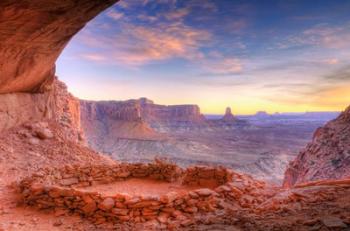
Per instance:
{"type": "Point", "coordinates": [60, 189]}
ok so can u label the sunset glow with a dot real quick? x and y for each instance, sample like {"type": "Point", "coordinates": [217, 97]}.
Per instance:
{"type": "Point", "coordinates": [285, 56]}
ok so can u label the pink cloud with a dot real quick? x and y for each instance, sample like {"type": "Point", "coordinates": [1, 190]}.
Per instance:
{"type": "Point", "coordinates": [224, 66]}
{"type": "Point", "coordinates": [322, 36]}
{"type": "Point", "coordinates": [115, 15]}
{"type": "Point", "coordinates": [332, 61]}
{"type": "Point", "coordinates": [93, 57]}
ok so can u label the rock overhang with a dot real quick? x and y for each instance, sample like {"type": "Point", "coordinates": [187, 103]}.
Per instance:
{"type": "Point", "coordinates": [33, 35]}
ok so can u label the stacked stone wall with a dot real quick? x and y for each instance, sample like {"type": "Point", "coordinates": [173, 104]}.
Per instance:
{"type": "Point", "coordinates": [62, 190]}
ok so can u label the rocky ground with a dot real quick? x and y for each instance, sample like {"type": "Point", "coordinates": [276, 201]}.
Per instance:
{"type": "Point", "coordinates": [27, 149]}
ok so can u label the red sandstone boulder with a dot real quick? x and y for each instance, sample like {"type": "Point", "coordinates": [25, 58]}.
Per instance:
{"type": "Point", "coordinates": [89, 208]}
{"type": "Point", "coordinates": [106, 204]}
{"type": "Point", "coordinates": [69, 181]}
{"type": "Point", "coordinates": [205, 192]}
{"type": "Point", "coordinates": [333, 222]}
{"type": "Point", "coordinates": [44, 133]}
{"type": "Point", "coordinates": [37, 188]}
{"type": "Point", "coordinates": [120, 212]}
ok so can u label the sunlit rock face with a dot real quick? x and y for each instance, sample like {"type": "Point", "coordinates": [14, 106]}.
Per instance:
{"type": "Point", "coordinates": [56, 105]}
{"type": "Point", "coordinates": [33, 34]}
{"type": "Point", "coordinates": [326, 157]}
{"type": "Point", "coordinates": [106, 121]}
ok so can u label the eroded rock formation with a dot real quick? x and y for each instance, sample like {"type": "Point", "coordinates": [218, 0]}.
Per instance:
{"type": "Point", "coordinates": [33, 34]}
{"type": "Point", "coordinates": [141, 109]}
{"type": "Point", "coordinates": [55, 105]}
{"type": "Point", "coordinates": [106, 121]}
{"type": "Point", "coordinates": [228, 117]}
{"type": "Point", "coordinates": [326, 157]}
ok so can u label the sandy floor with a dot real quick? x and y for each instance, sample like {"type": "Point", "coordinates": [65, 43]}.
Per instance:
{"type": "Point", "coordinates": [134, 186]}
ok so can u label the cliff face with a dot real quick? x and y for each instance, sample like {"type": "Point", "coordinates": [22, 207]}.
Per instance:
{"type": "Point", "coordinates": [55, 104]}
{"type": "Point", "coordinates": [140, 110]}
{"type": "Point", "coordinates": [326, 157]}
{"type": "Point", "coordinates": [174, 113]}
{"type": "Point", "coordinates": [33, 34]}
{"type": "Point", "coordinates": [107, 123]}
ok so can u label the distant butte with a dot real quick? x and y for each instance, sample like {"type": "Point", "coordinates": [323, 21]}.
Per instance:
{"type": "Point", "coordinates": [228, 115]}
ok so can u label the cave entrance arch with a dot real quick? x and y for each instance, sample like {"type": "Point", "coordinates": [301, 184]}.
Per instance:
{"type": "Point", "coordinates": [33, 35]}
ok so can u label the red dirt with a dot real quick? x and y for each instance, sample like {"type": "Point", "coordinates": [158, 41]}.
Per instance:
{"type": "Point", "coordinates": [18, 159]}
{"type": "Point", "coordinates": [139, 187]}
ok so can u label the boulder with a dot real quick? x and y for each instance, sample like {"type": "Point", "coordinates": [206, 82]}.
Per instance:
{"type": "Point", "coordinates": [120, 212]}
{"type": "Point", "coordinates": [69, 181]}
{"type": "Point", "coordinates": [89, 208]}
{"type": "Point", "coordinates": [333, 222]}
{"type": "Point", "coordinates": [106, 204]}
{"type": "Point", "coordinates": [204, 192]}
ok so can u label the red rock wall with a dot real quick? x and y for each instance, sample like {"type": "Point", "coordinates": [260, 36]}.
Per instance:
{"type": "Point", "coordinates": [33, 33]}
{"type": "Point", "coordinates": [326, 157]}
{"type": "Point", "coordinates": [56, 104]}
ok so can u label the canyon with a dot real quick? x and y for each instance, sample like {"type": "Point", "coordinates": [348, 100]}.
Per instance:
{"type": "Point", "coordinates": [49, 177]}
{"type": "Point", "coordinates": [140, 130]}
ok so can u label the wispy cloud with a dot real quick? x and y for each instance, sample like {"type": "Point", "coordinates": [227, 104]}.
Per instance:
{"type": "Point", "coordinates": [138, 45]}
{"type": "Point", "coordinates": [222, 66]}
{"type": "Point", "coordinates": [159, 37]}
{"type": "Point", "coordinates": [93, 57]}
{"type": "Point", "coordinates": [329, 91]}
{"type": "Point", "coordinates": [115, 14]}
{"type": "Point", "coordinates": [320, 35]}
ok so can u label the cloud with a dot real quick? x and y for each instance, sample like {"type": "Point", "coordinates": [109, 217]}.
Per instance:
{"type": "Point", "coordinates": [94, 57]}
{"type": "Point", "coordinates": [148, 37]}
{"type": "Point", "coordinates": [329, 91]}
{"type": "Point", "coordinates": [115, 15]}
{"type": "Point", "coordinates": [339, 76]}
{"type": "Point", "coordinates": [225, 66]}
{"type": "Point", "coordinates": [177, 14]}
{"type": "Point", "coordinates": [332, 61]}
{"type": "Point", "coordinates": [138, 45]}
{"type": "Point", "coordinates": [145, 44]}
{"type": "Point", "coordinates": [321, 35]}
{"type": "Point", "coordinates": [158, 36]}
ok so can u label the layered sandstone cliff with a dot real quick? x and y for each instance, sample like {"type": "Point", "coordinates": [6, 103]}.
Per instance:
{"type": "Point", "coordinates": [141, 109]}
{"type": "Point", "coordinates": [132, 119]}
{"type": "Point", "coordinates": [326, 157]}
{"type": "Point", "coordinates": [155, 113]}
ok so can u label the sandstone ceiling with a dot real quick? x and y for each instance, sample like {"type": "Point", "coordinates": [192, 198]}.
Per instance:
{"type": "Point", "coordinates": [33, 33]}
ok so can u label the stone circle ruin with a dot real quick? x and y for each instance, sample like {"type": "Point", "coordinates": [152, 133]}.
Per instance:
{"type": "Point", "coordinates": [195, 190]}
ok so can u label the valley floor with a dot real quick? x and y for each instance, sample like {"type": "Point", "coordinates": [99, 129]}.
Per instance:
{"type": "Point", "coordinates": [260, 148]}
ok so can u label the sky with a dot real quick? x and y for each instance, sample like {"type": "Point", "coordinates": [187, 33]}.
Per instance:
{"type": "Point", "coordinates": [275, 56]}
